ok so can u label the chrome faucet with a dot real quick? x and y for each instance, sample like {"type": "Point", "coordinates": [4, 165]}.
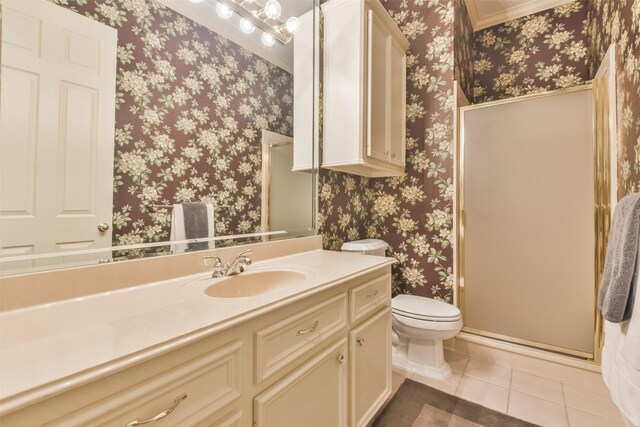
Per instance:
{"type": "Point", "coordinates": [220, 269]}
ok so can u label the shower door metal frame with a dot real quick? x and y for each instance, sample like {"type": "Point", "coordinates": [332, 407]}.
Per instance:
{"type": "Point", "coordinates": [602, 209]}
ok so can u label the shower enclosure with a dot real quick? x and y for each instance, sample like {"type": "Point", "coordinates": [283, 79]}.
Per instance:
{"type": "Point", "coordinates": [530, 191]}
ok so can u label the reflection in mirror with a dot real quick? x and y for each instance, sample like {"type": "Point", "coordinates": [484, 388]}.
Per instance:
{"type": "Point", "coordinates": [117, 115]}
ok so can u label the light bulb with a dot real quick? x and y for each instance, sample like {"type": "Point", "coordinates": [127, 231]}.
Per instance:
{"type": "Point", "coordinates": [292, 25]}
{"type": "Point", "coordinates": [223, 10]}
{"type": "Point", "coordinates": [267, 39]}
{"type": "Point", "coordinates": [247, 26]}
{"type": "Point", "coordinates": [272, 9]}
{"type": "Point", "coordinates": [196, 1]}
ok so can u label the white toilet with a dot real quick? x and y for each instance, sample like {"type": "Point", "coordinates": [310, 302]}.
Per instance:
{"type": "Point", "coordinates": [420, 324]}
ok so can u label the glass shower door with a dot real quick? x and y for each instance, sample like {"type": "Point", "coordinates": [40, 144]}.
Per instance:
{"type": "Point", "coordinates": [528, 220]}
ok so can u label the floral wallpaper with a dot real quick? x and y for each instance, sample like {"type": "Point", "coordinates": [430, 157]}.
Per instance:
{"type": "Point", "coordinates": [547, 50]}
{"type": "Point", "coordinates": [544, 51]}
{"type": "Point", "coordinates": [414, 213]}
{"type": "Point", "coordinates": [191, 106]}
{"type": "Point", "coordinates": [619, 22]}
{"type": "Point", "coordinates": [463, 48]}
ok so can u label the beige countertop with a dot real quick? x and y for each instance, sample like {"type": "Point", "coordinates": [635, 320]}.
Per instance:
{"type": "Point", "coordinates": [47, 349]}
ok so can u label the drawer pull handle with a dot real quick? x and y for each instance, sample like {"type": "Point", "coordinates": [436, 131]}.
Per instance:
{"type": "Point", "coordinates": [361, 342]}
{"type": "Point", "coordinates": [373, 294]}
{"type": "Point", "coordinates": [161, 415]}
{"type": "Point", "coordinates": [341, 359]}
{"type": "Point", "coordinates": [311, 329]}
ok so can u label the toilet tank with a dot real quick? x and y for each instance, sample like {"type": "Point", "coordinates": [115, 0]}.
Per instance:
{"type": "Point", "coordinates": [366, 247]}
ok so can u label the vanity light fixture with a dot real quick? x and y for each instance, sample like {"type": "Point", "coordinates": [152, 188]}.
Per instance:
{"type": "Point", "coordinates": [272, 9]}
{"type": "Point", "coordinates": [267, 39]}
{"type": "Point", "coordinates": [292, 25]}
{"type": "Point", "coordinates": [247, 26]}
{"type": "Point", "coordinates": [223, 10]}
{"type": "Point", "coordinates": [266, 17]}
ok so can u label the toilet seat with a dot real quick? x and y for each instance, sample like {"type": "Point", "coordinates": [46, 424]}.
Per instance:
{"type": "Point", "coordinates": [426, 318]}
{"type": "Point", "coordinates": [424, 309]}
{"type": "Point", "coordinates": [427, 325]}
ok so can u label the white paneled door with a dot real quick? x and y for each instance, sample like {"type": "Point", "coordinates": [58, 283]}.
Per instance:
{"type": "Point", "coordinates": [57, 129]}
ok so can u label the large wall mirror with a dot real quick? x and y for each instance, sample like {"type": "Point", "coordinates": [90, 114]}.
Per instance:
{"type": "Point", "coordinates": [150, 127]}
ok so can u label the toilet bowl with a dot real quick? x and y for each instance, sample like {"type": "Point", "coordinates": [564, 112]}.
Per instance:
{"type": "Point", "coordinates": [420, 325]}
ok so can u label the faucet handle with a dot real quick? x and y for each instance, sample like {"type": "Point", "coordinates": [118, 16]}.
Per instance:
{"type": "Point", "coordinates": [207, 258]}
{"type": "Point", "coordinates": [244, 254]}
{"type": "Point", "coordinates": [243, 260]}
{"type": "Point", "coordinates": [219, 269]}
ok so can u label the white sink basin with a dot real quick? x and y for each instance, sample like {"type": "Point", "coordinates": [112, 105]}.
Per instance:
{"type": "Point", "coordinates": [252, 283]}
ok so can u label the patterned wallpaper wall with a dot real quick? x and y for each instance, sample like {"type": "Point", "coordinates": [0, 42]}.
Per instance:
{"type": "Point", "coordinates": [414, 213]}
{"type": "Point", "coordinates": [191, 106]}
{"type": "Point", "coordinates": [619, 22]}
{"type": "Point", "coordinates": [463, 48]}
{"type": "Point", "coordinates": [547, 50]}
{"type": "Point", "coordinates": [544, 51]}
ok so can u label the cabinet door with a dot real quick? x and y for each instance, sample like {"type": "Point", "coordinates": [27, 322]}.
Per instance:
{"type": "Point", "coordinates": [378, 89]}
{"type": "Point", "coordinates": [397, 102]}
{"type": "Point", "coordinates": [312, 396]}
{"type": "Point", "coordinates": [370, 367]}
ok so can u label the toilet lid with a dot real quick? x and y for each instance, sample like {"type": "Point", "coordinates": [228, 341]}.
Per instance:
{"type": "Point", "coordinates": [428, 308]}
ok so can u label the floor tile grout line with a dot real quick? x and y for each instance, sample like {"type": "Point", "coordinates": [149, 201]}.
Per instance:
{"type": "Point", "coordinates": [593, 389]}
{"type": "Point", "coordinates": [509, 390]}
{"type": "Point", "coordinates": [538, 397]}
{"type": "Point", "coordinates": [533, 374]}
{"type": "Point", "coordinates": [563, 403]}
{"type": "Point", "coordinates": [566, 408]}
{"type": "Point", "coordinates": [564, 380]}
{"type": "Point", "coordinates": [455, 392]}
{"type": "Point", "coordinates": [564, 383]}
{"type": "Point", "coordinates": [599, 414]}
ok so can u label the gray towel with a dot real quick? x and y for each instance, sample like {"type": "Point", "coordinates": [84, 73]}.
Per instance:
{"type": "Point", "coordinates": [622, 252]}
{"type": "Point", "coordinates": [196, 224]}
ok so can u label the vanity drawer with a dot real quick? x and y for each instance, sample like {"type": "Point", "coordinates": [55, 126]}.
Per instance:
{"type": "Point", "coordinates": [368, 297]}
{"type": "Point", "coordinates": [210, 383]}
{"type": "Point", "coordinates": [280, 343]}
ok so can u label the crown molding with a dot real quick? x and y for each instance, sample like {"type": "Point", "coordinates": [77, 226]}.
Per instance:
{"type": "Point", "coordinates": [481, 20]}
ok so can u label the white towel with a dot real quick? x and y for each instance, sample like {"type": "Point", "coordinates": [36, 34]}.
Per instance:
{"type": "Point", "coordinates": [621, 360]}
{"type": "Point", "coordinates": [178, 231]}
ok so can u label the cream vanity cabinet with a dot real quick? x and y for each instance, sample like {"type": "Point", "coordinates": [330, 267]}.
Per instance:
{"type": "Point", "coordinates": [364, 91]}
{"type": "Point", "coordinates": [322, 360]}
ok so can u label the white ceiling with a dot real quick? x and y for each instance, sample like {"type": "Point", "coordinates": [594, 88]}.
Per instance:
{"type": "Point", "coordinates": [486, 13]}
{"type": "Point", "coordinates": [204, 13]}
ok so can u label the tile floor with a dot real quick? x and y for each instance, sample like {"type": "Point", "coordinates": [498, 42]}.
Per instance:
{"type": "Point", "coordinates": [538, 397]}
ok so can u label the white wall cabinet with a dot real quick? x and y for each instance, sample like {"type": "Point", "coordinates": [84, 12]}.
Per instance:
{"type": "Point", "coordinates": [305, 93]}
{"type": "Point", "coordinates": [324, 360]}
{"type": "Point", "coordinates": [364, 92]}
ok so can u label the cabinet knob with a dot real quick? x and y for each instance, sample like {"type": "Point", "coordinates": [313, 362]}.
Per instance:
{"type": "Point", "coordinates": [361, 342]}
{"type": "Point", "coordinates": [393, 155]}
{"type": "Point", "coordinates": [103, 227]}
{"type": "Point", "coordinates": [341, 359]}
